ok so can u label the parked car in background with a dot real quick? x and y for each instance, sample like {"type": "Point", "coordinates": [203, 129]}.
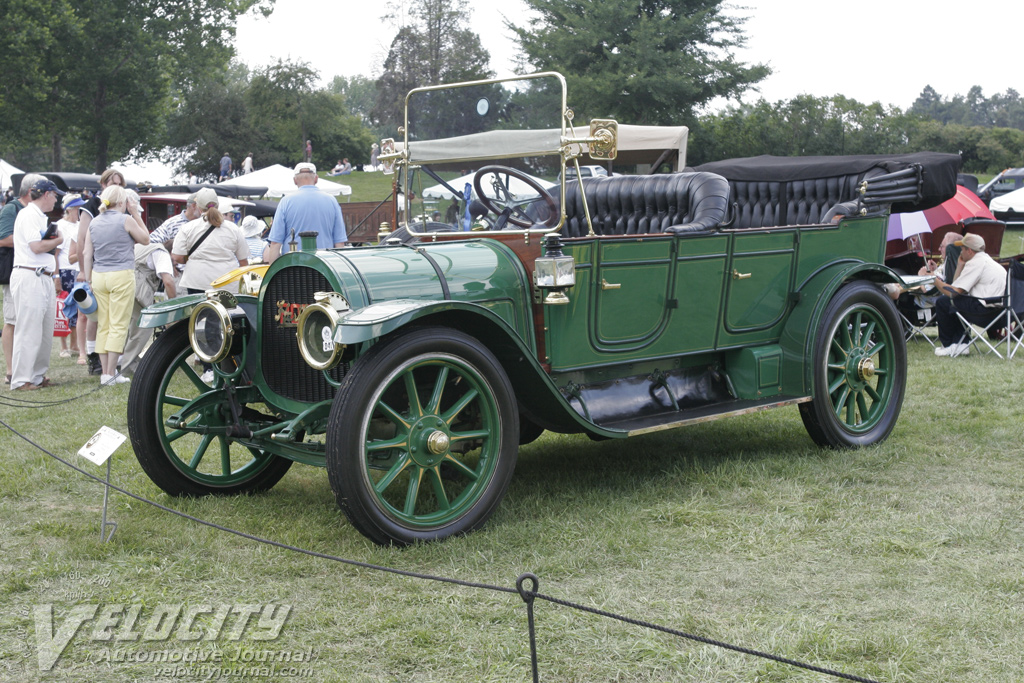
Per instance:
{"type": "Point", "coordinates": [613, 307]}
{"type": "Point", "coordinates": [588, 171]}
{"type": "Point", "coordinates": [1009, 180]}
{"type": "Point", "coordinates": [1009, 207]}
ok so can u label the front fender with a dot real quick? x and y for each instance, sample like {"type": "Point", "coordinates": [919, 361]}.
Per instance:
{"type": "Point", "coordinates": [377, 320]}
{"type": "Point", "coordinates": [802, 328]}
{"type": "Point", "coordinates": [532, 384]}
{"type": "Point", "coordinates": [180, 308]}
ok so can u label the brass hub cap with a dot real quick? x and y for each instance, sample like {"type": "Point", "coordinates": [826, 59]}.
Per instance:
{"type": "Point", "coordinates": [438, 443]}
{"type": "Point", "coordinates": [865, 369]}
{"type": "Point", "coordinates": [429, 441]}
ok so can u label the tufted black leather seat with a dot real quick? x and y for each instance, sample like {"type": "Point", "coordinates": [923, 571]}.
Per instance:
{"type": "Point", "coordinates": [676, 203]}
{"type": "Point", "coordinates": [762, 204]}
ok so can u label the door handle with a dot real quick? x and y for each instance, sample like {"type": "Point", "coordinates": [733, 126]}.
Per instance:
{"type": "Point", "coordinates": [736, 275]}
{"type": "Point", "coordinates": [611, 285]}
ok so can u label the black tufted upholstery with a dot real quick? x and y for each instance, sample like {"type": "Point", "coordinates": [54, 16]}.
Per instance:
{"type": "Point", "coordinates": [756, 203]}
{"type": "Point", "coordinates": [639, 205]}
{"type": "Point", "coordinates": [760, 204]}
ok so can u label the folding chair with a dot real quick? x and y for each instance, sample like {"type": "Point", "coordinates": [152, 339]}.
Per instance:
{"type": "Point", "coordinates": [915, 307]}
{"type": "Point", "coordinates": [1007, 316]}
{"type": "Point", "coordinates": [916, 320]}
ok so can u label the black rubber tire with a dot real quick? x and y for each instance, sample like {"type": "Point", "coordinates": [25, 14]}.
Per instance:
{"type": "Point", "coordinates": [451, 365]}
{"type": "Point", "coordinates": [859, 310]}
{"type": "Point", "coordinates": [165, 363]}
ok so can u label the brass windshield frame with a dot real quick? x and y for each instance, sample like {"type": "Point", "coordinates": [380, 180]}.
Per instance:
{"type": "Point", "coordinates": [562, 150]}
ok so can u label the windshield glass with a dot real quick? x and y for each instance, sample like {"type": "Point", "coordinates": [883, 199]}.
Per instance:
{"type": "Point", "coordinates": [483, 156]}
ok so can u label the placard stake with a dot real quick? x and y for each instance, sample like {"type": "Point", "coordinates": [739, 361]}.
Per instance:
{"type": "Point", "coordinates": [106, 497]}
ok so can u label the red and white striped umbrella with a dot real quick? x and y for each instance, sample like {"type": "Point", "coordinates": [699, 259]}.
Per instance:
{"type": "Point", "coordinates": [964, 204]}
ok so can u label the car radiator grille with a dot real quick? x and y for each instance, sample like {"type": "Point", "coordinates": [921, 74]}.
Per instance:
{"type": "Point", "coordinates": [285, 372]}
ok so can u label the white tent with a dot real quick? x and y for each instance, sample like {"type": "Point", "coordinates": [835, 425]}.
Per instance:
{"type": "Point", "coordinates": [519, 189]}
{"type": "Point", "coordinates": [279, 181]}
{"type": "Point", "coordinates": [6, 171]}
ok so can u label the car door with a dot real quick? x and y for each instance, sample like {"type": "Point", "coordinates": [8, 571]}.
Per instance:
{"type": "Point", "coordinates": [758, 285]}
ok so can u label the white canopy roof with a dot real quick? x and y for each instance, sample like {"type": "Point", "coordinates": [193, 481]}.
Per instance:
{"type": "Point", "coordinates": [279, 180]}
{"type": "Point", "coordinates": [1011, 201]}
{"type": "Point", "coordinates": [636, 145]}
{"type": "Point", "coordinates": [6, 171]}
{"type": "Point", "coordinates": [518, 188]}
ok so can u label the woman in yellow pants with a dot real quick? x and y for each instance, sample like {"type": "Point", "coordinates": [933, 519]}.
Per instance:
{"type": "Point", "coordinates": [108, 261]}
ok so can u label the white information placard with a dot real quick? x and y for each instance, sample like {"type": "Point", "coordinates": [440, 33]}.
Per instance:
{"type": "Point", "coordinates": [102, 445]}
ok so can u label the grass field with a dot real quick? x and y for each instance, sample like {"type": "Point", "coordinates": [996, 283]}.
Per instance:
{"type": "Point", "coordinates": [366, 187]}
{"type": "Point", "coordinates": [901, 562]}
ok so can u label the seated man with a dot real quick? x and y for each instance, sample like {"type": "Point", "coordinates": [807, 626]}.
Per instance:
{"type": "Point", "coordinates": [343, 167]}
{"type": "Point", "coordinates": [980, 277]}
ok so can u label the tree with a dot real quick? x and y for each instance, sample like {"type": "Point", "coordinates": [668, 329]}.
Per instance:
{"type": "Point", "coordinates": [38, 67]}
{"type": "Point", "coordinates": [357, 93]}
{"type": "Point", "coordinates": [285, 106]}
{"type": "Point", "coordinates": [108, 66]}
{"type": "Point", "coordinates": [434, 48]}
{"type": "Point", "coordinates": [208, 118]}
{"type": "Point", "coordinates": [639, 61]}
{"type": "Point", "coordinates": [803, 126]}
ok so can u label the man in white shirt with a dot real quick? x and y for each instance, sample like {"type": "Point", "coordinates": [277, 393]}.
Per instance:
{"type": "Point", "coordinates": [32, 288]}
{"type": "Point", "coordinates": [980, 278]}
{"type": "Point", "coordinates": [7, 217]}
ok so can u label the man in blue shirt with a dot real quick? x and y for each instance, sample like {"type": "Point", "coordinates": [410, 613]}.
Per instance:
{"type": "Point", "coordinates": [309, 209]}
{"type": "Point", "coordinates": [225, 167]}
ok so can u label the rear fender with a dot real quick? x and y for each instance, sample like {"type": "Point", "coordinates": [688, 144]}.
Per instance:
{"type": "Point", "coordinates": [802, 329]}
{"type": "Point", "coordinates": [533, 386]}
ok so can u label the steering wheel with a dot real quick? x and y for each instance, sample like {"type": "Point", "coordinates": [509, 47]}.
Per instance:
{"type": "Point", "coordinates": [505, 200]}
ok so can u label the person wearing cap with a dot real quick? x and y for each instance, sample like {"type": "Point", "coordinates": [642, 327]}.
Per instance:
{"type": "Point", "coordinates": [32, 288]}
{"type": "Point", "coordinates": [7, 217]}
{"type": "Point", "coordinates": [980, 277]}
{"type": "Point", "coordinates": [307, 210]}
{"type": "Point", "coordinates": [67, 258]}
{"type": "Point", "coordinates": [209, 246]}
{"type": "Point", "coordinates": [108, 264]}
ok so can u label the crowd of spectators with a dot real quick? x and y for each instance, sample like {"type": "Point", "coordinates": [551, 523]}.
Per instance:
{"type": "Point", "coordinates": [97, 255]}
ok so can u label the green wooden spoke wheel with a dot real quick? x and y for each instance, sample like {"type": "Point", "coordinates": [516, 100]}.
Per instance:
{"type": "Point", "coordinates": [197, 459]}
{"type": "Point", "coordinates": [422, 437]}
{"type": "Point", "coordinates": [859, 370]}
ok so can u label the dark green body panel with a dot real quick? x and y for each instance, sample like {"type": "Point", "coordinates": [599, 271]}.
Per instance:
{"type": "Point", "coordinates": [482, 272]}
{"type": "Point", "coordinates": [693, 294]}
{"type": "Point", "coordinates": [742, 303]}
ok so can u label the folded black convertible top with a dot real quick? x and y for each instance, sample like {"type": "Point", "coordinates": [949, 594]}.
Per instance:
{"type": "Point", "coordinates": [938, 171]}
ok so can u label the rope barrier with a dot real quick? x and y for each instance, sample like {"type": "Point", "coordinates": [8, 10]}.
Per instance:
{"type": "Point", "coordinates": [16, 402]}
{"type": "Point", "coordinates": [529, 594]}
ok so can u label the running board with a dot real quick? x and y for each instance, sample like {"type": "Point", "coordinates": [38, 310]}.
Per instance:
{"type": "Point", "coordinates": [657, 423]}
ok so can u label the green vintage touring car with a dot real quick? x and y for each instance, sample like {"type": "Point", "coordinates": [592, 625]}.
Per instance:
{"type": "Point", "coordinates": [606, 305]}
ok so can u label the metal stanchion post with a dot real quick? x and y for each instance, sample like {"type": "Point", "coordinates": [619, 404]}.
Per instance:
{"type": "Point", "coordinates": [106, 497]}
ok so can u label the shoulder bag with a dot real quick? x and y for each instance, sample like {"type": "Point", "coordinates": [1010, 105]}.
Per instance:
{"type": "Point", "coordinates": [6, 264]}
{"type": "Point", "coordinates": [200, 240]}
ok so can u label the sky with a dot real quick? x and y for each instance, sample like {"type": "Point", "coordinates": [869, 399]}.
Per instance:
{"type": "Point", "coordinates": [869, 51]}
{"type": "Point", "coordinates": [884, 51]}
